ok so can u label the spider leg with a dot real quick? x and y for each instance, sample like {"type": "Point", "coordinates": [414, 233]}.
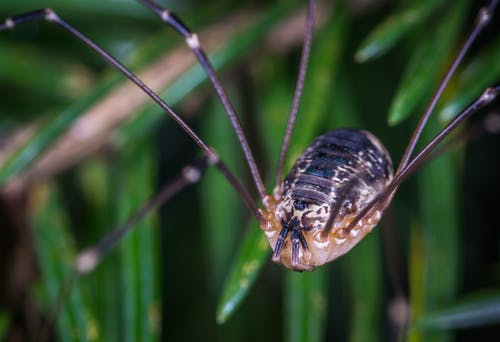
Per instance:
{"type": "Point", "coordinates": [407, 166]}
{"type": "Point", "coordinates": [383, 199]}
{"type": "Point", "coordinates": [483, 18]}
{"type": "Point", "coordinates": [304, 59]}
{"type": "Point", "coordinates": [193, 43]}
{"type": "Point", "coordinates": [281, 240]}
{"type": "Point", "coordinates": [51, 16]}
{"type": "Point", "coordinates": [295, 237]}
{"type": "Point", "coordinates": [87, 260]}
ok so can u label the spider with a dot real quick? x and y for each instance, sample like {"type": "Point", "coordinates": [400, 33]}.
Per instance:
{"type": "Point", "coordinates": [307, 220]}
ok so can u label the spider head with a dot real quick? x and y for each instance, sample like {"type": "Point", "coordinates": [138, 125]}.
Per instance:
{"type": "Point", "coordinates": [302, 244]}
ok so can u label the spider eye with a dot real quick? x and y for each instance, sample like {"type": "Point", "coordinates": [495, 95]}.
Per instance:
{"type": "Point", "coordinates": [299, 205]}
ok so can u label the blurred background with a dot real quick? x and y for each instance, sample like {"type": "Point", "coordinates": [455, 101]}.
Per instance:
{"type": "Point", "coordinates": [81, 149]}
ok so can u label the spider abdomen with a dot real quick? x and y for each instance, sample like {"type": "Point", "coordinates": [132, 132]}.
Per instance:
{"type": "Point", "coordinates": [335, 178]}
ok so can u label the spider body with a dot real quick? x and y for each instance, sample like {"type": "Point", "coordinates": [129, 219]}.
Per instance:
{"type": "Point", "coordinates": [337, 176]}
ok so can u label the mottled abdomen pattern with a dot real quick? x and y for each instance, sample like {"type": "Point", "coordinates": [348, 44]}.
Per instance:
{"type": "Point", "coordinates": [335, 178]}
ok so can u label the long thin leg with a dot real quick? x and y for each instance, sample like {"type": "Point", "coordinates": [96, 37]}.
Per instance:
{"type": "Point", "coordinates": [50, 16]}
{"type": "Point", "coordinates": [483, 18]}
{"type": "Point", "coordinates": [91, 257]}
{"type": "Point", "coordinates": [381, 201]}
{"type": "Point", "coordinates": [304, 61]}
{"type": "Point", "coordinates": [485, 99]}
{"type": "Point", "coordinates": [194, 44]}
{"type": "Point", "coordinates": [407, 167]}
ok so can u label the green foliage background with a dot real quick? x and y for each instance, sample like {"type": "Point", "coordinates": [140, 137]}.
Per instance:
{"type": "Point", "coordinates": [429, 272]}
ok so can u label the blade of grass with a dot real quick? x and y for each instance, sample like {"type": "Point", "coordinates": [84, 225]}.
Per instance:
{"type": "Point", "coordinates": [440, 234]}
{"type": "Point", "coordinates": [33, 72]}
{"type": "Point", "coordinates": [427, 64]}
{"type": "Point", "coordinates": [99, 184]}
{"type": "Point", "coordinates": [139, 250]}
{"type": "Point", "coordinates": [481, 72]}
{"type": "Point", "coordinates": [47, 134]}
{"type": "Point", "coordinates": [222, 207]}
{"type": "Point", "coordinates": [5, 319]}
{"type": "Point", "coordinates": [85, 9]}
{"type": "Point", "coordinates": [305, 305]}
{"type": "Point", "coordinates": [395, 27]}
{"type": "Point", "coordinates": [55, 251]}
{"type": "Point", "coordinates": [365, 267]}
{"type": "Point", "coordinates": [252, 253]}
{"type": "Point", "coordinates": [417, 277]}
{"type": "Point", "coordinates": [477, 312]}
{"type": "Point", "coordinates": [438, 221]}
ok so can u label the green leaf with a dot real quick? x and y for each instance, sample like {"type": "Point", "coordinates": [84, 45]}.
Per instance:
{"type": "Point", "coordinates": [88, 8]}
{"type": "Point", "coordinates": [439, 225]}
{"type": "Point", "coordinates": [5, 320]}
{"type": "Point", "coordinates": [483, 309]}
{"type": "Point", "coordinates": [305, 305]}
{"type": "Point", "coordinates": [139, 304]}
{"type": "Point", "coordinates": [46, 136]}
{"type": "Point", "coordinates": [365, 267]}
{"type": "Point", "coordinates": [223, 216]}
{"type": "Point", "coordinates": [253, 252]}
{"type": "Point", "coordinates": [55, 250]}
{"type": "Point", "coordinates": [395, 27]}
{"type": "Point", "coordinates": [481, 72]}
{"type": "Point", "coordinates": [426, 65]}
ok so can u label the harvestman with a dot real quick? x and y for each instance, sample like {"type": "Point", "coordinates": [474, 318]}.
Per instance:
{"type": "Point", "coordinates": [336, 192]}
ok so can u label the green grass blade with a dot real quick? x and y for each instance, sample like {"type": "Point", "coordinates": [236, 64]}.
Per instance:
{"type": "Point", "coordinates": [46, 136]}
{"type": "Point", "coordinates": [416, 277]}
{"type": "Point", "coordinates": [305, 305]}
{"type": "Point", "coordinates": [79, 8]}
{"type": "Point", "coordinates": [222, 217]}
{"type": "Point", "coordinates": [388, 33]}
{"type": "Point", "coordinates": [481, 72]}
{"type": "Point", "coordinates": [5, 319]}
{"type": "Point", "coordinates": [440, 237]}
{"type": "Point", "coordinates": [427, 63]}
{"type": "Point", "coordinates": [35, 73]}
{"type": "Point", "coordinates": [98, 183]}
{"type": "Point", "coordinates": [483, 310]}
{"type": "Point", "coordinates": [138, 250]}
{"type": "Point", "coordinates": [253, 252]}
{"type": "Point", "coordinates": [365, 267]}
{"type": "Point", "coordinates": [55, 251]}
